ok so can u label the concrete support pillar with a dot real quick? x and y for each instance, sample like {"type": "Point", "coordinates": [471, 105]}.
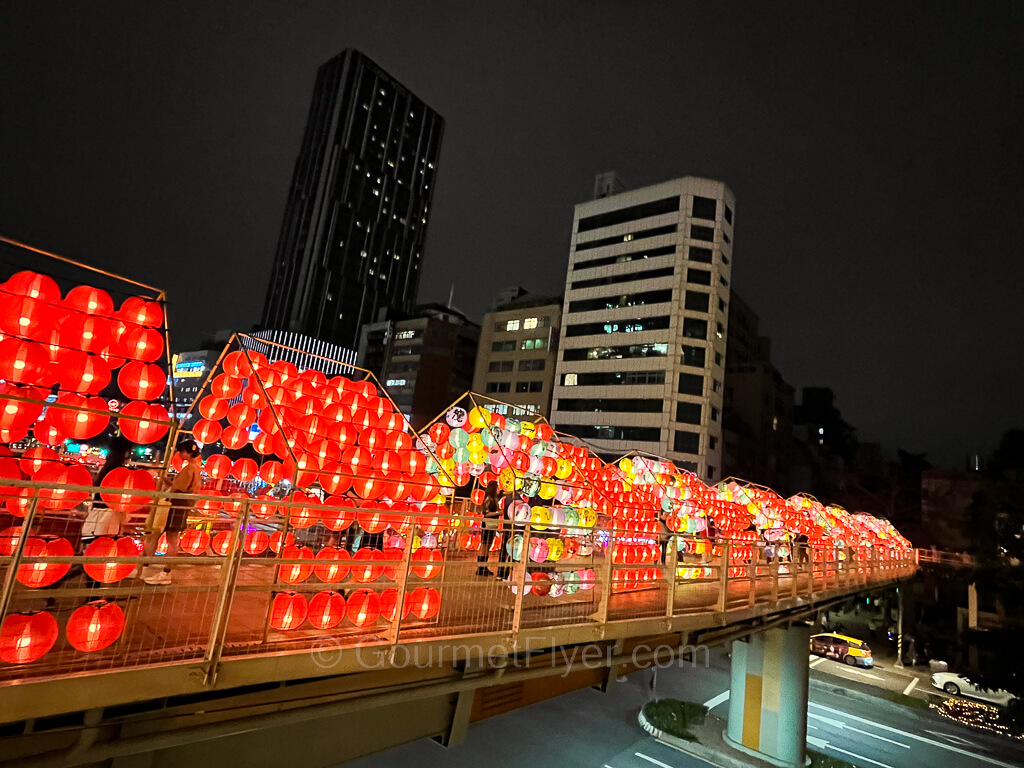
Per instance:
{"type": "Point", "coordinates": [768, 700]}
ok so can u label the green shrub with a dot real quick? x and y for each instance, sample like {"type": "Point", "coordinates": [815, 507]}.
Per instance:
{"type": "Point", "coordinates": [675, 717]}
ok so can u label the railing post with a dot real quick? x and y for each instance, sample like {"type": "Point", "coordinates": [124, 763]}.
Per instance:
{"type": "Point", "coordinates": [794, 570]}
{"type": "Point", "coordinates": [19, 549]}
{"type": "Point", "coordinates": [228, 582]}
{"type": "Point", "coordinates": [401, 588]}
{"type": "Point", "coordinates": [607, 574]}
{"type": "Point", "coordinates": [773, 568]}
{"type": "Point", "coordinates": [810, 571]}
{"type": "Point", "coordinates": [671, 561]}
{"type": "Point", "coordinates": [752, 577]}
{"type": "Point", "coordinates": [723, 579]}
{"type": "Point", "coordinates": [520, 576]}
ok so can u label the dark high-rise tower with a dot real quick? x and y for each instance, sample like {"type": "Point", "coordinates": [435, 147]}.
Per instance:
{"type": "Point", "coordinates": [354, 229]}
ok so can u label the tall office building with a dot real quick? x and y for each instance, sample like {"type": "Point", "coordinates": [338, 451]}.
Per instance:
{"type": "Point", "coordinates": [518, 352]}
{"type": "Point", "coordinates": [351, 245]}
{"type": "Point", "coordinates": [644, 323]}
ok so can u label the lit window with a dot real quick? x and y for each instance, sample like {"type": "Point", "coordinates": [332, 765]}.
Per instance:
{"type": "Point", "coordinates": [405, 334]}
{"type": "Point", "coordinates": [627, 238]}
{"type": "Point", "coordinates": [512, 325]}
{"type": "Point", "coordinates": [530, 322]}
{"type": "Point", "coordinates": [821, 430]}
{"type": "Point", "coordinates": [395, 382]}
{"type": "Point", "coordinates": [570, 380]}
{"type": "Point", "coordinates": [775, 424]}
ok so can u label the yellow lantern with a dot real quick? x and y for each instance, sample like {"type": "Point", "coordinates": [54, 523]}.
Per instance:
{"type": "Point", "coordinates": [555, 549]}
{"type": "Point", "coordinates": [540, 517]}
{"type": "Point", "coordinates": [563, 469]}
{"type": "Point", "coordinates": [547, 491]}
{"type": "Point", "coordinates": [479, 417]}
{"type": "Point", "coordinates": [528, 428]}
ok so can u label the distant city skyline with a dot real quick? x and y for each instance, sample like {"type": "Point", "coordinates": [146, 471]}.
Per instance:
{"type": "Point", "coordinates": [875, 160]}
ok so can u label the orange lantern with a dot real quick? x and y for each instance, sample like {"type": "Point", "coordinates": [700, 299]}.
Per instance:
{"type": "Point", "coordinates": [245, 470]}
{"type": "Point", "coordinates": [426, 563]}
{"type": "Point", "coordinates": [95, 626]}
{"type": "Point", "coordinates": [194, 541]}
{"type": "Point", "coordinates": [34, 459]}
{"type": "Point", "coordinates": [256, 542]}
{"type": "Point", "coordinates": [288, 610]}
{"type": "Point", "coordinates": [213, 408]}
{"type": "Point", "coordinates": [241, 415]}
{"type": "Point", "coordinates": [234, 438]}
{"type": "Point", "coordinates": [272, 472]}
{"type": "Point", "coordinates": [425, 602]}
{"type": "Point", "coordinates": [337, 519]}
{"type": "Point", "coordinates": [364, 571]}
{"type": "Point", "coordinates": [363, 607]}
{"type": "Point", "coordinates": [221, 544]}
{"type": "Point", "coordinates": [336, 564]}
{"type": "Point", "coordinates": [206, 431]}
{"type": "Point", "coordinates": [226, 386]}
{"type": "Point", "coordinates": [326, 610]}
{"type": "Point", "coordinates": [294, 574]}
{"type": "Point", "coordinates": [43, 574]}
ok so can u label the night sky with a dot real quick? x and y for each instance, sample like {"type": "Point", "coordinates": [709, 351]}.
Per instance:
{"type": "Point", "coordinates": [875, 153]}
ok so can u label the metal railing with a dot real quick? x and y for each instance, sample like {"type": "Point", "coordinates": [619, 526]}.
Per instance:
{"type": "Point", "coordinates": [938, 557]}
{"type": "Point", "coordinates": [263, 577]}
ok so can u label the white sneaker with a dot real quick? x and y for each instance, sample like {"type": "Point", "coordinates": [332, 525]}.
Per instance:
{"type": "Point", "coordinates": [159, 579]}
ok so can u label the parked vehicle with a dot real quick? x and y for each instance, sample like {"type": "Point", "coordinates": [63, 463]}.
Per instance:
{"type": "Point", "coordinates": [848, 650]}
{"type": "Point", "coordinates": [958, 684]}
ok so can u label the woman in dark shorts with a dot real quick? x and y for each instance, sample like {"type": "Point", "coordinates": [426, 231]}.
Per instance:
{"type": "Point", "coordinates": [188, 480]}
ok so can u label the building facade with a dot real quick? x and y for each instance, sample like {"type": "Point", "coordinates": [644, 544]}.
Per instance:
{"type": "Point", "coordinates": [644, 323]}
{"type": "Point", "coordinates": [429, 361]}
{"type": "Point", "coordinates": [354, 229]}
{"type": "Point", "coordinates": [758, 405]}
{"type": "Point", "coordinates": [189, 370]}
{"type": "Point", "coordinates": [303, 351]}
{"type": "Point", "coordinates": [518, 352]}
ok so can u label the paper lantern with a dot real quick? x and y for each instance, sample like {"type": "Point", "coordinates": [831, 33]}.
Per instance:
{"type": "Point", "coordinates": [34, 285]}
{"type": "Point", "coordinates": [234, 438]}
{"type": "Point", "coordinates": [9, 538]}
{"type": "Point", "coordinates": [326, 610]}
{"type": "Point", "coordinates": [105, 546]}
{"type": "Point", "coordinates": [218, 466]}
{"type": "Point", "coordinates": [95, 626]}
{"type": "Point", "coordinates": [303, 512]}
{"type": "Point", "coordinates": [34, 459]}
{"type": "Point", "coordinates": [335, 567]}
{"type": "Point", "coordinates": [143, 344]}
{"type": "Point", "coordinates": [256, 542]}
{"type": "Point", "coordinates": [363, 608]}
{"type": "Point", "coordinates": [43, 574]}
{"type": "Point", "coordinates": [127, 480]}
{"type": "Point", "coordinates": [241, 415]}
{"type": "Point", "coordinates": [226, 386]}
{"type": "Point", "coordinates": [337, 519]}
{"type": "Point", "coordinates": [47, 434]}
{"type": "Point", "coordinates": [540, 583]}
{"type": "Point", "coordinates": [272, 472]}
{"type": "Point", "coordinates": [294, 574]}
{"type": "Point", "coordinates": [206, 431]}
{"type": "Point", "coordinates": [18, 414]}
{"type": "Point", "coordinates": [252, 397]}
{"type": "Point", "coordinates": [26, 637]}
{"type": "Point", "coordinates": [146, 428]}
{"type": "Point", "coordinates": [57, 477]}
{"type": "Point", "coordinates": [23, 361]}
{"type": "Point", "coordinates": [136, 309]}
{"type": "Point", "coordinates": [79, 372]}
{"type": "Point", "coordinates": [194, 541]}
{"type": "Point", "coordinates": [288, 610]}
{"type": "Point", "coordinates": [389, 604]}
{"type": "Point", "coordinates": [425, 602]}
{"type": "Point", "coordinates": [362, 570]}
{"type": "Point", "coordinates": [91, 301]}
{"type": "Point", "coordinates": [426, 563]}
{"type": "Point", "coordinates": [86, 333]}
{"type": "Point", "coordinates": [213, 408]}
{"type": "Point", "coordinates": [245, 470]}
{"type": "Point", "coordinates": [142, 381]}
{"type": "Point", "coordinates": [221, 543]}
{"type": "Point", "coordinates": [236, 364]}
{"type": "Point", "coordinates": [26, 316]}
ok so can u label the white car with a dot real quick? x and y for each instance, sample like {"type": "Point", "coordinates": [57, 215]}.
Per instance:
{"type": "Point", "coordinates": [955, 683]}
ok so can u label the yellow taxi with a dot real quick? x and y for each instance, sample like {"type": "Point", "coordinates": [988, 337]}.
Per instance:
{"type": "Point", "coordinates": [848, 650]}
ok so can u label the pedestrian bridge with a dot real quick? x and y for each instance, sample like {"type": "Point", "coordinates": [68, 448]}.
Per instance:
{"type": "Point", "coordinates": [255, 655]}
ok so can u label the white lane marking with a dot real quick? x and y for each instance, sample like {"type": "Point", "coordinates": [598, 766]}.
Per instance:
{"type": "Point", "coordinates": [914, 736]}
{"type": "Point", "coordinates": [838, 724]}
{"type": "Point", "coordinates": [817, 661]}
{"type": "Point", "coordinates": [863, 674]}
{"type": "Point", "coordinates": [812, 727]}
{"type": "Point", "coordinates": [910, 686]}
{"type": "Point", "coordinates": [950, 737]}
{"type": "Point", "coordinates": [816, 742]}
{"type": "Point", "coordinates": [858, 757]}
{"type": "Point", "coordinates": [716, 700]}
{"type": "Point", "coordinates": [652, 760]}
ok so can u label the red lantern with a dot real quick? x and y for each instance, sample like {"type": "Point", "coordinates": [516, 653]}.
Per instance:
{"type": "Point", "coordinates": [234, 438]}
{"type": "Point", "coordinates": [426, 563]}
{"type": "Point", "coordinates": [218, 466]}
{"type": "Point", "coordinates": [17, 414]}
{"type": "Point", "coordinates": [213, 408]}
{"type": "Point", "coordinates": [326, 610]}
{"type": "Point", "coordinates": [337, 519]}
{"type": "Point", "coordinates": [23, 362]}
{"type": "Point", "coordinates": [304, 511]}
{"type": "Point", "coordinates": [272, 472]}
{"type": "Point", "coordinates": [104, 546]}
{"type": "Point", "coordinates": [226, 386]}
{"type": "Point", "coordinates": [43, 574]}
{"type": "Point", "coordinates": [128, 480]}
{"type": "Point", "coordinates": [194, 541]}
{"type": "Point", "coordinates": [263, 444]}
{"type": "Point", "coordinates": [337, 564]}
{"type": "Point", "coordinates": [47, 433]}
{"type": "Point", "coordinates": [241, 415]}
{"type": "Point", "coordinates": [143, 344]}
{"type": "Point", "coordinates": [142, 381]}
{"type": "Point", "coordinates": [146, 428]}
{"type": "Point", "coordinates": [86, 333]}
{"type": "Point", "coordinates": [26, 316]}
{"type": "Point", "coordinates": [363, 607]}
{"type": "Point", "coordinates": [266, 506]}
{"type": "Point", "coordinates": [294, 574]}
{"type": "Point", "coordinates": [222, 543]}
{"type": "Point", "coordinates": [91, 301]}
{"type": "Point", "coordinates": [236, 364]}
{"type": "Point", "coordinates": [95, 626]}
{"type": "Point", "coordinates": [206, 431]}
{"type": "Point", "coordinates": [34, 285]}
{"type": "Point", "coordinates": [36, 458]}
{"type": "Point", "coordinates": [136, 309]}
{"type": "Point", "coordinates": [389, 604]}
{"type": "Point", "coordinates": [79, 372]}
{"type": "Point", "coordinates": [288, 611]}
{"type": "Point", "coordinates": [26, 637]}
{"type": "Point", "coordinates": [245, 470]}
{"type": "Point", "coordinates": [362, 570]}
{"type": "Point", "coordinates": [425, 602]}
{"type": "Point", "coordinates": [56, 477]}
{"type": "Point", "coordinates": [256, 542]}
